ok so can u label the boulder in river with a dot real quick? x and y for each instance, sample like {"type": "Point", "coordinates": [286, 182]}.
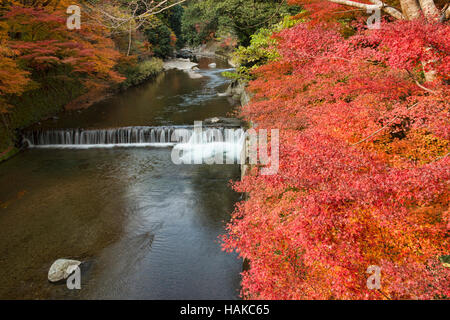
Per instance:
{"type": "Point", "coordinates": [212, 65]}
{"type": "Point", "coordinates": [194, 75]}
{"type": "Point", "coordinates": [223, 122]}
{"type": "Point", "coordinates": [61, 269]}
{"type": "Point", "coordinates": [180, 64]}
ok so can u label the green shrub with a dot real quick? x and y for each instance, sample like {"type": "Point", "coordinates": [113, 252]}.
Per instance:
{"type": "Point", "coordinates": [8, 154]}
{"type": "Point", "coordinates": [38, 104]}
{"type": "Point", "coordinates": [208, 19]}
{"type": "Point", "coordinates": [6, 139]}
{"type": "Point", "coordinates": [161, 38]}
{"type": "Point", "coordinates": [53, 93]}
{"type": "Point", "coordinates": [262, 49]}
{"type": "Point", "coordinates": [140, 72]}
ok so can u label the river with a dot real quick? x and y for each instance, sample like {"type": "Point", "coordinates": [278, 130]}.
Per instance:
{"type": "Point", "coordinates": [144, 227]}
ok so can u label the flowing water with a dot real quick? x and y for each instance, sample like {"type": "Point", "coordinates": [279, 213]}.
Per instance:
{"type": "Point", "coordinates": [100, 186]}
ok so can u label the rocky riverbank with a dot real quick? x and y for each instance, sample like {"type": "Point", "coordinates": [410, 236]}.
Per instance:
{"type": "Point", "coordinates": [185, 65]}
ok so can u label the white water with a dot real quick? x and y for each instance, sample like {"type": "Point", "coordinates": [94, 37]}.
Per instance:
{"type": "Point", "coordinates": [103, 146]}
{"type": "Point", "coordinates": [217, 145]}
{"type": "Point", "coordinates": [99, 137]}
{"type": "Point", "coordinates": [212, 146]}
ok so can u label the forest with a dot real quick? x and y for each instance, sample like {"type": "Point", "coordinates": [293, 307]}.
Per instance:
{"type": "Point", "coordinates": [362, 113]}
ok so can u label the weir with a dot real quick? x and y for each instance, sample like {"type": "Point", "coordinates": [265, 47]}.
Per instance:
{"type": "Point", "coordinates": [165, 135]}
{"type": "Point", "coordinates": [193, 144]}
{"type": "Point", "coordinates": [132, 136]}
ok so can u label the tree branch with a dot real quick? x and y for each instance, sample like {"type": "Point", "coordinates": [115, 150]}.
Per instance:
{"type": "Point", "coordinates": [440, 158]}
{"type": "Point", "coordinates": [445, 13]}
{"type": "Point", "coordinates": [382, 128]}
{"type": "Point", "coordinates": [397, 14]}
{"type": "Point", "coordinates": [377, 4]}
{"type": "Point", "coordinates": [418, 83]}
{"type": "Point", "coordinates": [117, 21]}
{"type": "Point", "coordinates": [356, 4]}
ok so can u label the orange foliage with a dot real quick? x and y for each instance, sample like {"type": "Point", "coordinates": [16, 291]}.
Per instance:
{"type": "Point", "coordinates": [36, 41]}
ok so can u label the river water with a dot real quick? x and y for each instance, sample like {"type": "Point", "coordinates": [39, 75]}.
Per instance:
{"type": "Point", "coordinates": [144, 227]}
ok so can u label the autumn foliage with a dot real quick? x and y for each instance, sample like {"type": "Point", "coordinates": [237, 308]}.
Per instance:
{"type": "Point", "coordinates": [43, 43]}
{"type": "Point", "coordinates": [13, 80]}
{"type": "Point", "coordinates": [364, 166]}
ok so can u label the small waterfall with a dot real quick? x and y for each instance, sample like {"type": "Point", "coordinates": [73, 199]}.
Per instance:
{"type": "Point", "coordinates": [194, 145]}
{"type": "Point", "coordinates": [218, 146]}
{"type": "Point", "coordinates": [103, 138]}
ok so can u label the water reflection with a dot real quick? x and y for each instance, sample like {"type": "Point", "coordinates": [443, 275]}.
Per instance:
{"type": "Point", "coordinates": [172, 99]}
{"type": "Point", "coordinates": [148, 228]}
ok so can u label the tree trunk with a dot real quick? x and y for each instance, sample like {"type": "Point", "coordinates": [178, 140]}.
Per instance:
{"type": "Point", "coordinates": [129, 40]}
{"type": "Point", "coordinates": [446, 14]}
{"type": "Point", "coordinates": [431, 74]}
{"type": "Point", "coordinates": [414, 9]}
{"type": "Point", "coordinates": [429, 9]}
{"type": "Point", "coordinates": [411, 9]}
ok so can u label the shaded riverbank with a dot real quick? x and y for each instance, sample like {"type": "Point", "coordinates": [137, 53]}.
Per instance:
{"type": "Point", "coordinates": [57, 95]}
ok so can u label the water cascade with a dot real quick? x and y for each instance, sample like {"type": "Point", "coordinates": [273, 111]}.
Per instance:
{"type": "Point", "coordinates": [193, 145]}
{"type": "Point", "coordinates": [218, 146]}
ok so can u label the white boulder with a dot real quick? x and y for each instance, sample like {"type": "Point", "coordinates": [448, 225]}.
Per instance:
{"type": "Point", "coordinates": [61, 269]}
{"type": "Point", "coordinates": [194, 75]}
{"type": "Point", "coordinates": [180, 64]}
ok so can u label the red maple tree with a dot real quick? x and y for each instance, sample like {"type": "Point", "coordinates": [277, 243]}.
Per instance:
{"type": "Point", "coordinates": [364, 171]}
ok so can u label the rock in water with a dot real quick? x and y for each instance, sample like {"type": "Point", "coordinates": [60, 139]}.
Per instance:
{"type": "Point", "coordinates": [194, 75]}
{"type": "Point", "coordinates": [212, 65]}
{"type": "Point", "coordinates": [223, 122]}
{"type": "Point", "coordinates": [180, 64]}
{"type": "Point", "coordinates": [61, 269]}
{"type": "Point", "coordinates": [213, 120]}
